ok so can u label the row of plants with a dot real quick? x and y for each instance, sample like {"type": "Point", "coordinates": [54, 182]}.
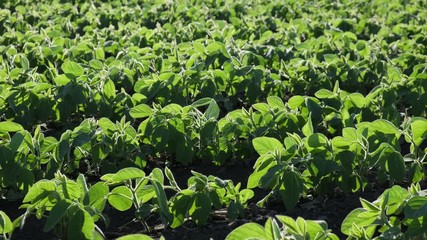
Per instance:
{"type": "Point", "coordinates": [318, 143]}
{"type": "Point", "coordinates": [73, 208]}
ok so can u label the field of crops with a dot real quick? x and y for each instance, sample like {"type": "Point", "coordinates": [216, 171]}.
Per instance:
{"type": "Point", "coordinates": [222, 119]}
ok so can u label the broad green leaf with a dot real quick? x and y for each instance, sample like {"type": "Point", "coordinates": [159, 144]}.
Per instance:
{"type": "Point", "coordinates": [357, 99]}
{"type": "Point", "coordinates": [56, 214]}
{"type": "Point", "coordinates": [80, 226]}
{"type": "Point", "coordinates": [291, 189]}
{"type": "Point", "coordinates": [73, 68]}
{"type": "Point", "coordinates": [324, 93]}
{"type": "Point", "coordinates": [354, 218]}
{"type": "Point", "coordinates": [180, 206]}
{"type": "Point", "coordinates": [157, 175]}
{"type": "Point", "coordinates": [128, 174]}
{"type": "Point", "coordinates": [272, 229]}
{"type": "Point", "coordinates": [120, 198]}
{"type": "Point", "coordinates": [81, 181]}
{"type": "Point", "coordinates": [289, 224]}
{"type": "Point", "coordinates": [394, 198]}
{"type": "Point", "coordinates": [262, 107]}
{"type": "Point", "coordinates": [213, 110]}
{"type": "Point", "coordinates": [368, 205]}
{"type": "Point", "coordinates": [96, 64]}
{"type": "Point", "coordinates": [201, 102]}
{"type": "Point", "coordinates": [265, 145]}
{"type": "Point", "coordinates": [395, 165]}
{"type": "Point", "coordinates": [275, 102]}
{"type": "Point", "coordinates": [248, 231]}
{"type": "Point", "coordinates": [61, 80]}
{"type": "Point", "coordinates": [106, 124]}
{"type": "Point", "coordinates": [7, 126]}
{"type": "Point", "coordinates": [308, 129]}
{"type": "Point", "coordinates": [141, 111]}
{"type": "Point", "coordinates": [98, 191]}
{"type": "Point", "coordinates": [171, 178]}
{"type": "Point", "coordinates": [25, 63]}
{"type": "Point", "coordinates": [296, 101]}
{"type": "Point", "coordinates": [6, 225]}
{"type": "Point", "coordinates": [135, 237]}
{"type": "Point", "coordinates": [109, 89]}
{"type": "Point", "coordinates": [71, 190]}
{"type": "Point", "coordinates": [419, 130]}
{"type": "Point", "coordinates": [38, 188]}
{"type": "Point", "coordinates": [269, 179]}
{"type": "Point", "coordinates": [255, 177]}
{"type": "Point", "coordinates": [416, 207]}
{"type": "Point", "coordinates": [384, 126]}
{"type": "Point", "coordinates": [162, 201]}
{"type": "Point", "coordinates": [200, 208]}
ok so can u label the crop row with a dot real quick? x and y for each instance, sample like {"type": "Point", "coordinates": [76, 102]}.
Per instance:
{"type": "Point", "coordinates": [291, 148]}
{"type": "Point", "coordinates": [73, 208]}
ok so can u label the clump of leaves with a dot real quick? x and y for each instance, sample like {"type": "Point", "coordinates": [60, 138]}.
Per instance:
{"type": "Point", "coordinates": [283, 228]}
{"type": "Point", "coordinates": [397, 213]}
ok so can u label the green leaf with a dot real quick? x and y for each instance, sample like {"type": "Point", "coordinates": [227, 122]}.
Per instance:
{"type": "Point", "coordinates": [98, 191]}
{"type": "Point", "coordinates": [356, 217]}
{"type": "Point", "coordinates": [157, 175]}
{"type": "Point", "coordinates": [73, 68]}
{"type": "Point", "coordinates": [416, 207]}
{"type": "Point", "coordinates": [290, 225]}
{"type": "Point", "coordinates": [80, 226]}
{"type": "Point", "coordinates": [81, 181]}
{"type": "Point", "coordinates": [324, 93]}
{"type": "Point", "coordinates": [262, 107]}
{"type": "Point", "coordinates": [96, 64]}
{"type": "Point", "coordinates": [25, 63]}
{"type": "Point", "coordinates": [308, 129]}
{"type": "Point", "coordinates": [418, 129]}
{"type": "Point", "coordinates": [315, 229]}
{"type": "Point", "coordinates": [201, 102]}
{"type": "Point", "coordinates": [162, 201]}
{"type": "Point", "coordinates": [394, 198]}
{"type": "Point", "coordinates": [6, 225]}
{"type": "Point", "coordinates": [291, 189]}
{"type": "Point", "coordinates": [200, 209]}
{"type": "Point", "coordinates": [248, 231]}
{"type": "Point", "coordinates": [272, 229]}
{"type": "Point", "coordinates": [135, 237]}
{"type": "Point", "coordinates": [71, 190]}
{"type": "Point", "coordinates": [265, 145]}
{"type": "Point", "coordinates": [368, 205]}
{"type": "Point", "coordinates": [255, 178]}
{"type": "Point", "coordinates": [127, 174]}
{"type": "Point", "coordinates": [180, 206]}
{"type": "Point", "coordinates": [357, 99]}
{"type": "Point", "coordinates": [7, 126]}
{"type": "Point", "coordinates": [141, 111]}
{"type": "Point", "coordinates": [275, 102]}
{"type": "Point", "coordinates": [120, 198]}
{"type": "Point", "coordinates": [295, 101]}
{"type": "Point", "coordinates": [109, 89]}
{"type": "Point", "coordinates": [212, 111]}
{"type": "Point", "coordinates": [171, 178]}
{"type": "Point", "coordinates": [384, 126]}
{"type": "Point", "coordinates": [395, 165]}
{"type": "Point", "coordinates": [56, 214]}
